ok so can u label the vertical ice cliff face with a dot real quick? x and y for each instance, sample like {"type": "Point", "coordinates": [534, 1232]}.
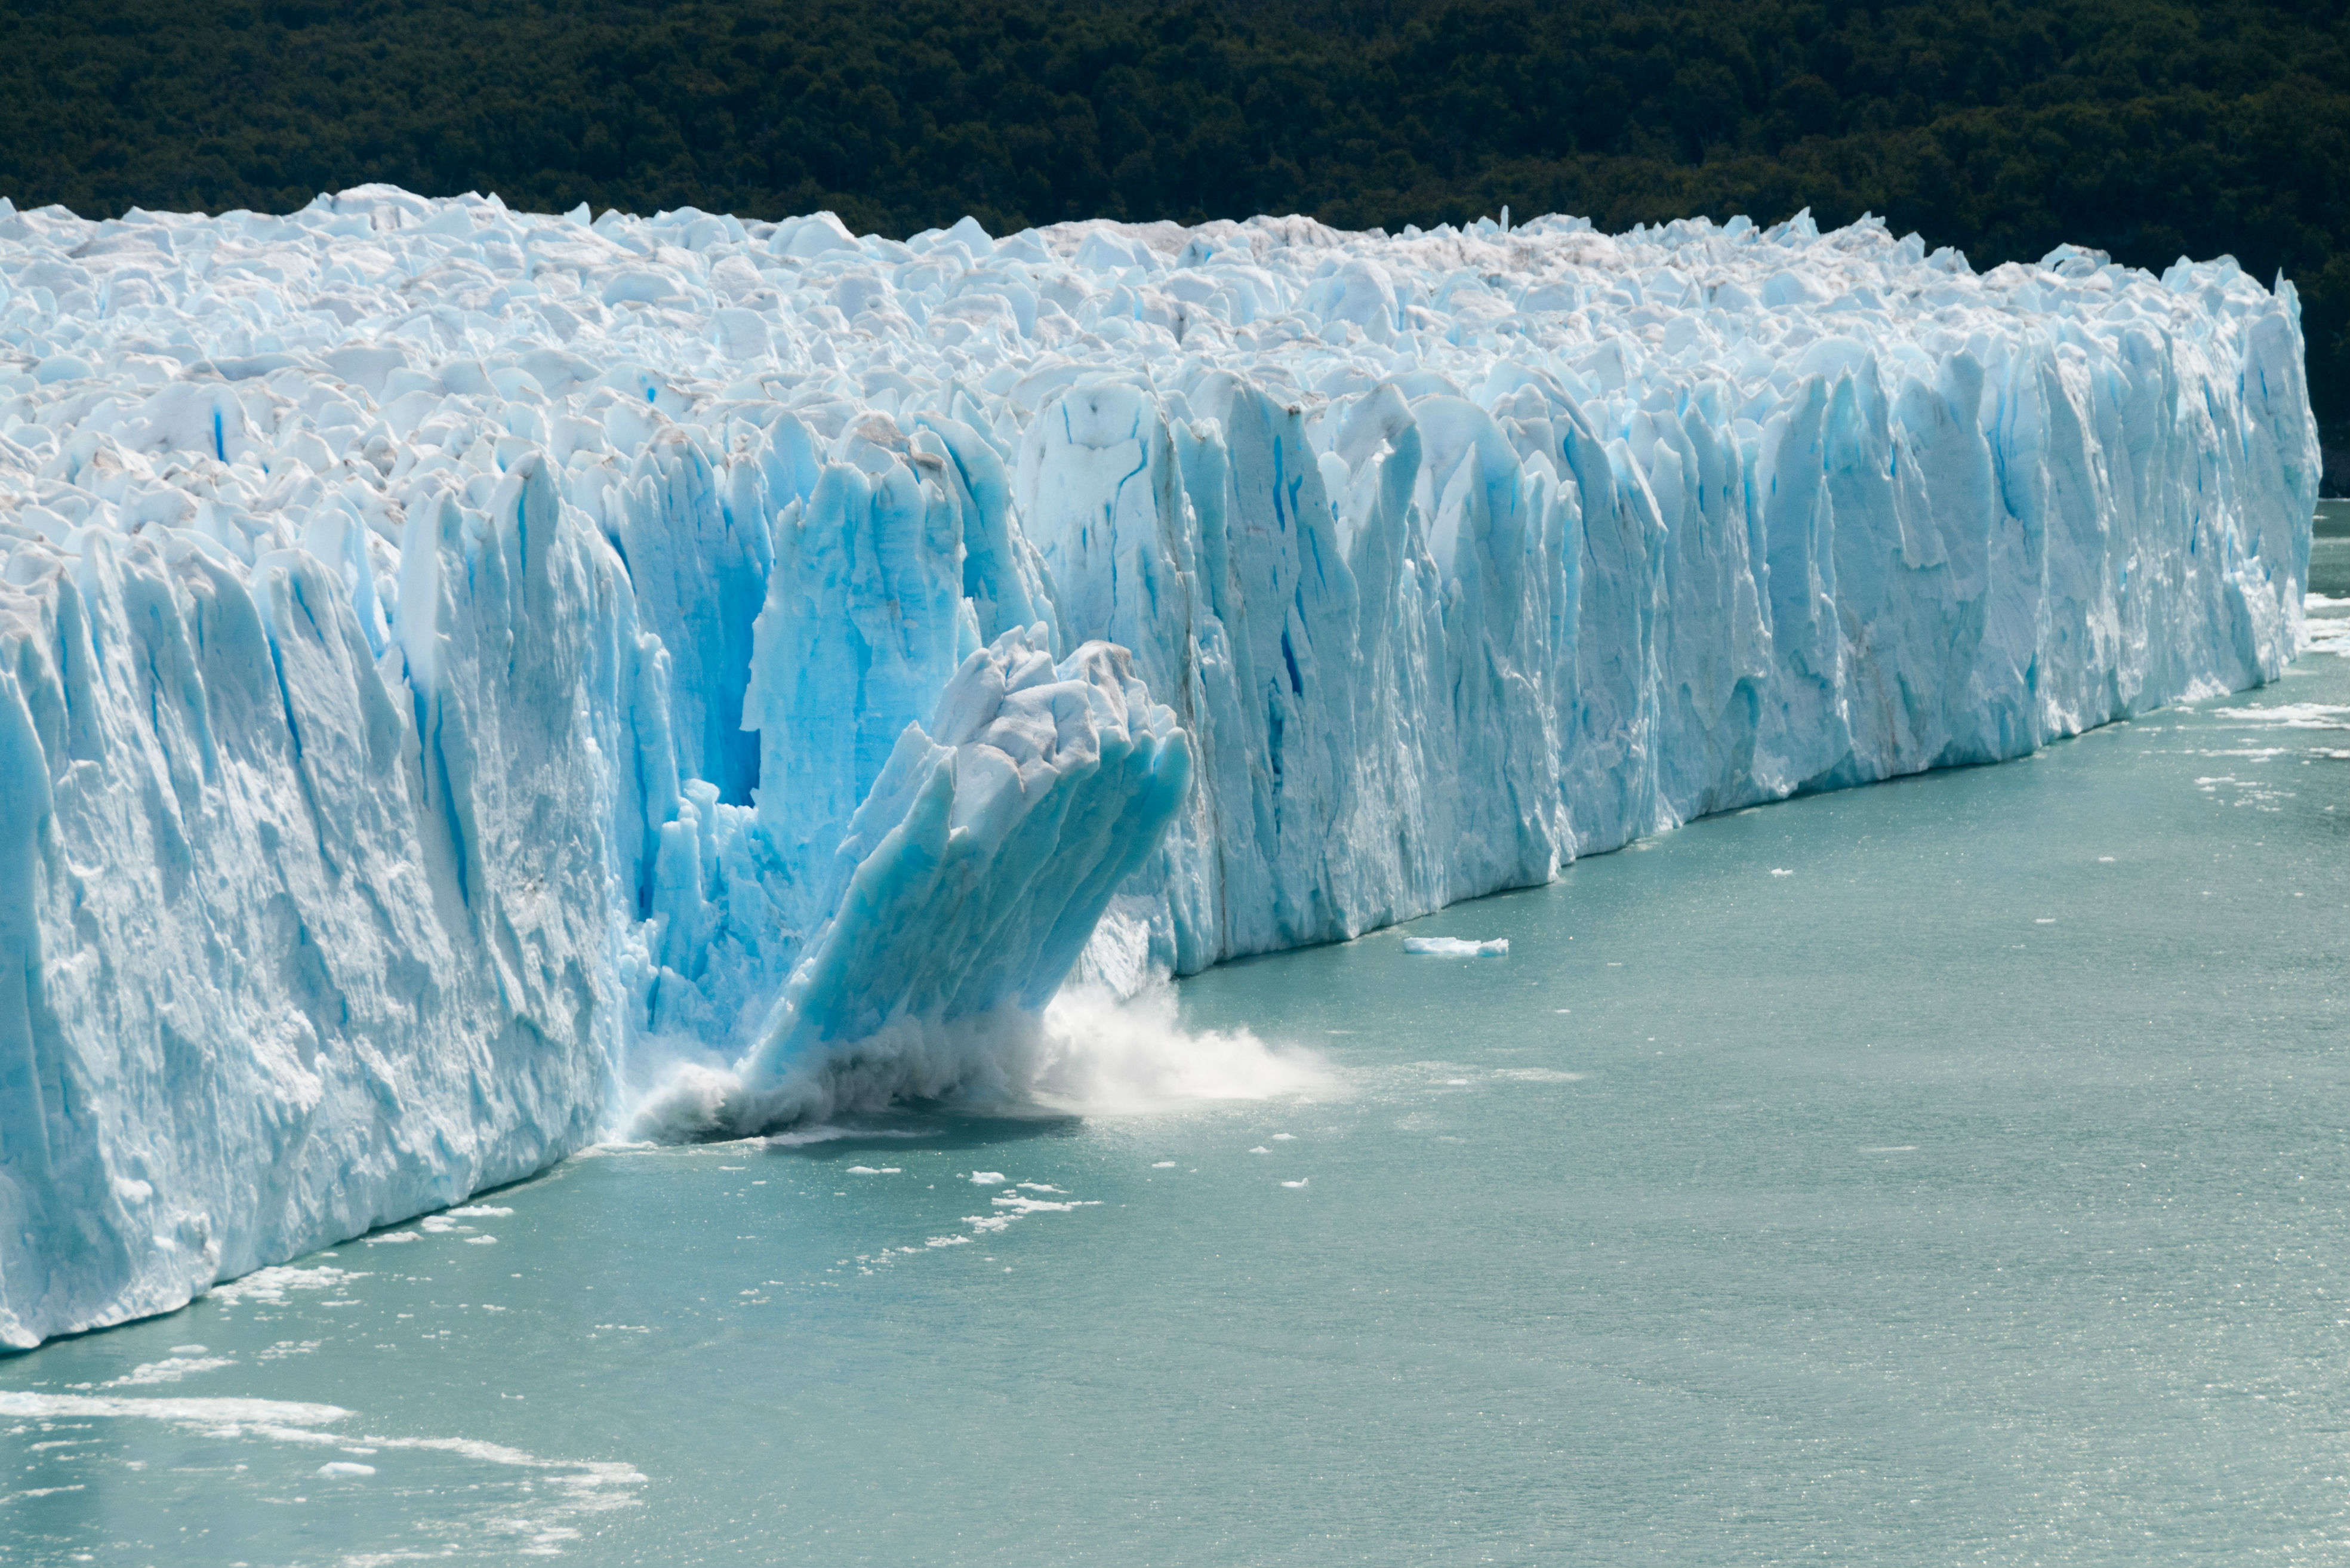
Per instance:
{"type": "Point", "coordinates": [471, 679]}
{"type": "Point", "coordinates": [294, 947]}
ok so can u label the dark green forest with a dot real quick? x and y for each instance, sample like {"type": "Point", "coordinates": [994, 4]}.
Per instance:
{"type": "Point", "coordinates": [2144, 128]}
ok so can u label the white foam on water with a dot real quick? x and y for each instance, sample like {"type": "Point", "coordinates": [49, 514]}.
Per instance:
{"type": "Point", "coordinates": [1090, 1053]}
{"type": "Point", "coordinates": [205, 1413]}
{"type": "Point", "coordinates": [1104, 1056]}
{"type": "Point", "coordinates": [826, 1132]}
{"type": "Point", "coordinates": [574, 1487]}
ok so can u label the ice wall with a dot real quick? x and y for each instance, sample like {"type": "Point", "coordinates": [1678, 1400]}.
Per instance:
{"type": "Point", "coordinates": [467, 679]}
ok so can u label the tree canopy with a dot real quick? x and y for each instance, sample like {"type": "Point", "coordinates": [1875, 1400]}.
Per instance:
{"type": "Point", "coordinates": [2144, 128]}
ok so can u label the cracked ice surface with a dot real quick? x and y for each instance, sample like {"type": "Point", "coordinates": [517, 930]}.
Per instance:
{"type": "Point", "coordinates": [453, 661]}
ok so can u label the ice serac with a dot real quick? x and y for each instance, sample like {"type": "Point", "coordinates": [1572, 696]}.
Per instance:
{"type": "Point", "coordinates": [470, 682]}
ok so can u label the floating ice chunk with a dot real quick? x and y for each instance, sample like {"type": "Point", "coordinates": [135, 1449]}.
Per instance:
{"type": "Point", "coordinates": [271, 1285]}
{"type": "Point", "coordinates": [2331, 635]}
{"type": "Point", "coordinates": [1020, 1204]}
{"type": "Point", "coordinates": [1457, 947]}
{"type": "Point", "coordinates": [2291, 715]}
{"type": "Point", "coordinates": [170, 1370]}
{"type": "Point", "coordinates": [987, 1178]}
{"type": "Point", "coordinates": [346, 1468]}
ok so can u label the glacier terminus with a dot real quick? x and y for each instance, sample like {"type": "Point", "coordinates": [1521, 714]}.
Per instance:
{"type": "Point", "coordinates": [473, 683]}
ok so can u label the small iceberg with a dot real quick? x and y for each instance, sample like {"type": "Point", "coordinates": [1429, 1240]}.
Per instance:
{"type": "Point", "coordinates": [1456, 946]}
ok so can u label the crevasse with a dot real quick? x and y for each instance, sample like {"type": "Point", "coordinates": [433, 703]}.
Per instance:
{"type": "Point", "coordinates": [470, 679]}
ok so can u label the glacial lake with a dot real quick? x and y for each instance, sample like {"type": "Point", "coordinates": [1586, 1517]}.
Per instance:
{"type": "Point", "coordinates": [1956, 1171]}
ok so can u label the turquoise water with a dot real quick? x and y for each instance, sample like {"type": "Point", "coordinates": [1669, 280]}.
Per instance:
{"type": "Point", "coordinates": [1949, 1172]}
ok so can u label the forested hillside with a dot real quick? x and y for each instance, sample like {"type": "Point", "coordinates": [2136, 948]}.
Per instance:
{"type": "Point", "coordinates": [2146, 128]}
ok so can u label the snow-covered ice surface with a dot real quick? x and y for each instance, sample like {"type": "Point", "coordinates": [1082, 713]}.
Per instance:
{"type": "Point", "coordinates": [468, 680]}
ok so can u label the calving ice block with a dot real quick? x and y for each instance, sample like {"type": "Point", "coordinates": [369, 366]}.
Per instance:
{"type": "Point", "coordinates": [471, 679]}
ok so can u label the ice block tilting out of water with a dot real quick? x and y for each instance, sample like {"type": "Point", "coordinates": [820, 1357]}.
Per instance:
{"type": "Point", "coordinates": [453, 662]}
{"type": "Point", "coordinates": [975, 870]}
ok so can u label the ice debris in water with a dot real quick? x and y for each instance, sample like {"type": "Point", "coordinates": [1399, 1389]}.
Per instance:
{"type": "Point", "coordinates": [470, 680]}
{"type": "Point", "coordinates": [1457, 947]}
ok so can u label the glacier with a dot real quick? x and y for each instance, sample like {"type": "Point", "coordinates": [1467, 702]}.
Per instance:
{"type": "Point", "coordinates": [475, 682]}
